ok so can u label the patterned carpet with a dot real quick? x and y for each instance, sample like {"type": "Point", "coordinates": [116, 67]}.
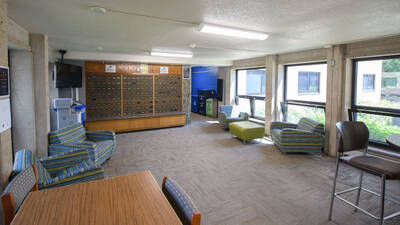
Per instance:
{"type": "Point", "coordinates": [253, 184]}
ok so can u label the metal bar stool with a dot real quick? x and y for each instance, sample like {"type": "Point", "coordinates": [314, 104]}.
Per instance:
{"type": "Point", "coordinates": [354, 136]}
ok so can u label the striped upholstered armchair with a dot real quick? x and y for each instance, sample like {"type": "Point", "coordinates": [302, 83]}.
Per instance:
{"type": "Point", "coordinates": [60, 170]}
{"type": "Point", "coordinates": [99, 144]}
{"type": "Point", "coordinates": [306, 136]}
{"type": "Point", "coordinates": [225, 116]}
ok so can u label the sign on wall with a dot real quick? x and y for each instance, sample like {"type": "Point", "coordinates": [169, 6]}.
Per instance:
{"type": "Point", "coordinates": [111, 68]}
{"type": "Point", "coordinates": [163, 69]}
{"type": "Point", "coordinates": [144, 68]}
{"type": "Point", "coordinates": [5, 115]}
{"type": "Point", "coordinates": [4, 82]}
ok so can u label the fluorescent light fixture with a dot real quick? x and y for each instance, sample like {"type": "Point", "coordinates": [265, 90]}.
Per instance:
{"type": "Point", "coordinates": [170, 54]}
{"type": "Point", "coordinates": [230, 31]}
{"type": "Point", "coordinates": [98, 9]}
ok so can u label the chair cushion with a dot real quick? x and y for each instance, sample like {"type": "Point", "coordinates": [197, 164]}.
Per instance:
{"type": "Point", "coordinates": [374, 165]}
{"type": "Point", "coordinates": [74, 133]}
{"type": "Point", "coordinates": [180, 201]}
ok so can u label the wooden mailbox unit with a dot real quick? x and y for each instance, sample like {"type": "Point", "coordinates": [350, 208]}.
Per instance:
{"type": "Point", "coordinates": [132, 96]}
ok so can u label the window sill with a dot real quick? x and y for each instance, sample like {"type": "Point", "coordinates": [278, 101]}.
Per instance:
{"type": "Point", "coordinates": [261, 122]}
{"type": "Point", "coordinates": [384, 152]}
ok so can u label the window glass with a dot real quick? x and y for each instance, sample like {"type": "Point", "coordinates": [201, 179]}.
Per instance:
{"type": "Point", "coordinates": [378, 83]}
{"type": "Point", "coordinates": [379, 126]}
{"type": "Point", "coordinates": [251, 82]}
{"type": "Point", "coordinates": [259, 108]}
{"type": "Point", "coordinates": [296, 112]}
{"type": "Point", "coordinates": [306, 82]}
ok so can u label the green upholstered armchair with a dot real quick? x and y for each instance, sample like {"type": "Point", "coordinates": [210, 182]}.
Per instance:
{"type": "Point", "coordinates": [69, 168]}
{"type": "Point", "coordinates": [306, 136]}
{"type": "Point", "coordinates": [225, 113]}
{"type": "Point", "coordinates": [99, 144]}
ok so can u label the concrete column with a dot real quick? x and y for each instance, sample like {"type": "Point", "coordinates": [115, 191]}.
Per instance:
{"type": "Point", "coordinates": [270, 86]}
{"type": "Point", "coordinates": [6, 157]}
{"type": "Point", "coordinates": [39, 46]}
{"type": "Point", "coordinates": [335, 95]}
{"type": "Point", "coordinates": [22, 99]}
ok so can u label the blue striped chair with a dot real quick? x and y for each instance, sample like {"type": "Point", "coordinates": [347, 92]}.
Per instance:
{"type": "Point", "coordinates": [60, 170]}
{"type": "Point", "coordinates": [306, 136]}
{"type": "Point", "coordinates": [225, 116]}
{"type": "Point", "coordinates": [16, 192]}
{"type": "Point", "coordinates": [99, 144]}
{"type": "Point", "coordinates": [181, 202]}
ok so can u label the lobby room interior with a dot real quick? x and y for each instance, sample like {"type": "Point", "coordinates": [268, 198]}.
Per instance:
{"type": "Point", "coordinates": [240, 112]}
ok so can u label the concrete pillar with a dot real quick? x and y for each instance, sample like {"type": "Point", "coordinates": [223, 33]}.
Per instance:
{"type": "Point", "coordinates": [22, 98]}
{"type": "Point", "coordinates": [6, 157]}
{"type": "Point", "coordinates": [335, 95]}
{"type": "Point", "coordinates": [39, 46]}
{"type": "Point", "coordinates": [270, 96]}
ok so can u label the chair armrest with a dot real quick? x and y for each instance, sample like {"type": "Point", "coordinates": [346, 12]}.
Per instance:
{"type": "Point", "coordinates": [244, 115]}
{"type": "Point", "coordinates": [63, 148]}
{"type": "Point", "coordinates": [296, 133]}
{"type": "Point", "coordinates": [221, 116]}
{"type": "Point", "coordinates": [57, 163]}
{"type": "Point", "coordinates": [100, 135]}
{"type": "Point", "coordinates": [282, 125]}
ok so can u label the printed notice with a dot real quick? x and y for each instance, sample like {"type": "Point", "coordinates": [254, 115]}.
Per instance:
{"type": "Point", "coordinates": [111, 68]}
{"type": "Point", "coordinates": [164, 69]}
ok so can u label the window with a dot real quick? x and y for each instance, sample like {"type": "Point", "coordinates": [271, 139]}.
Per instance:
{"type": "Point", "coordinates": [376, 95]}
{"type": "Point", "coordinates": [305, 92]}
{"type": "Point", "coordinates": [369, 82]}
{"type": "Point", "coordinates": [250, 91]}
{"type": "Point", "coordinates": [308, 82]}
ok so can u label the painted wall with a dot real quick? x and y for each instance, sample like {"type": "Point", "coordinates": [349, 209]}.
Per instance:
{"type": "Point", "coordinates": [204, 77]}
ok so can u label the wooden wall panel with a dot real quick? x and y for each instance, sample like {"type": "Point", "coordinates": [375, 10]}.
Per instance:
{"type": "Point", "coordinates": [126, 93]}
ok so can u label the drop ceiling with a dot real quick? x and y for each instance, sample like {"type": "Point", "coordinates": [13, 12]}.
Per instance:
{"type": "Point", "coordinates": [292, 24]}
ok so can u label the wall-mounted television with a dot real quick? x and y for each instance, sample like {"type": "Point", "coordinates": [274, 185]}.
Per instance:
{"type": "Point", "coordinates": [68, 76]}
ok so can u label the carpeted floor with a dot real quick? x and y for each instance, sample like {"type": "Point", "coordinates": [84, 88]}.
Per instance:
{"type": "Point", "coordinates": [232, 183]}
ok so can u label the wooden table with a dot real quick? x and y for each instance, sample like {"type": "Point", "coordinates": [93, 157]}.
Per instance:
{"type": "Point", "coordinates": [394, 141]}
{"type": "Point", "coordinates": [133, 199]}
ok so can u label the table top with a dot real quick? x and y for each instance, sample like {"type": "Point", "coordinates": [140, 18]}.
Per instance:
{"type": "Point", "coordinates": [394, 141]}
{"type": "Point", "coordinates": [132, 199]}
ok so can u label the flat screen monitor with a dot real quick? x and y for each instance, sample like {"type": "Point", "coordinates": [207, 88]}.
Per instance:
{"type": "Point", "coordinates": [68, 76]}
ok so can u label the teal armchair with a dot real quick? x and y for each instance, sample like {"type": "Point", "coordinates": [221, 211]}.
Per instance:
{"type": "Point", "coordinates": [225, 116]}
{"type": "Point", "coordinates": [63, 169]}
{"type": "Point", "coordinates": [99, 144]}
{"type": "Point", "coordinates": [306, 136]}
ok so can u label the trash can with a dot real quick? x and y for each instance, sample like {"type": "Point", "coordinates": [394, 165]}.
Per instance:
{"type": "Point", "coordinates": [211, 107]}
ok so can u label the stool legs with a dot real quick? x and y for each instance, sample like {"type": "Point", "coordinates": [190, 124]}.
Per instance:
{"type": "Point", "coordinates": [359, 190]}
{"type": "Point", "coordinates": [334, 187]}
{"type": "Point", "coordinates": [383, 186]}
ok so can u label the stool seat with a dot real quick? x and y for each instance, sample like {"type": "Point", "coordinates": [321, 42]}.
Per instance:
{"type": "Point", "coordinates": [373, 164]}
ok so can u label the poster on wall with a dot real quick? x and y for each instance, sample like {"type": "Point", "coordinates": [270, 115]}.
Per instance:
{"type": "Point", "coordinates": [111, 68]}
{"type": "Point", "coordinates": [163, 69]}
{"type": "Point", "coordinates": [4, 82]}
{"type": "Point", "coordinates": [186, 72]}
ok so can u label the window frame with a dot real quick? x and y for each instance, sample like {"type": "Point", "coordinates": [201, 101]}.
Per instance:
{"type": "Point", "coordinates": [250, 97]}
{"type": "Point", "coordinates": [311, 104]}
{"type": "Point", "coordinates": [380, 111]}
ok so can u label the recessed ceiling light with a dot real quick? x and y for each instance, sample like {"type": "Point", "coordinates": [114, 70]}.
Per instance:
{"type": "Point", "coordinates": [99, 48]}
{"type": "Point", "coordinates": [230, 31]}
{"type": "Point", "coordinates": [193, 45]}
{"type": "Point", "coordinates": [98, 9]}
{"type": "Point", "coordinates": [172, 54]}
